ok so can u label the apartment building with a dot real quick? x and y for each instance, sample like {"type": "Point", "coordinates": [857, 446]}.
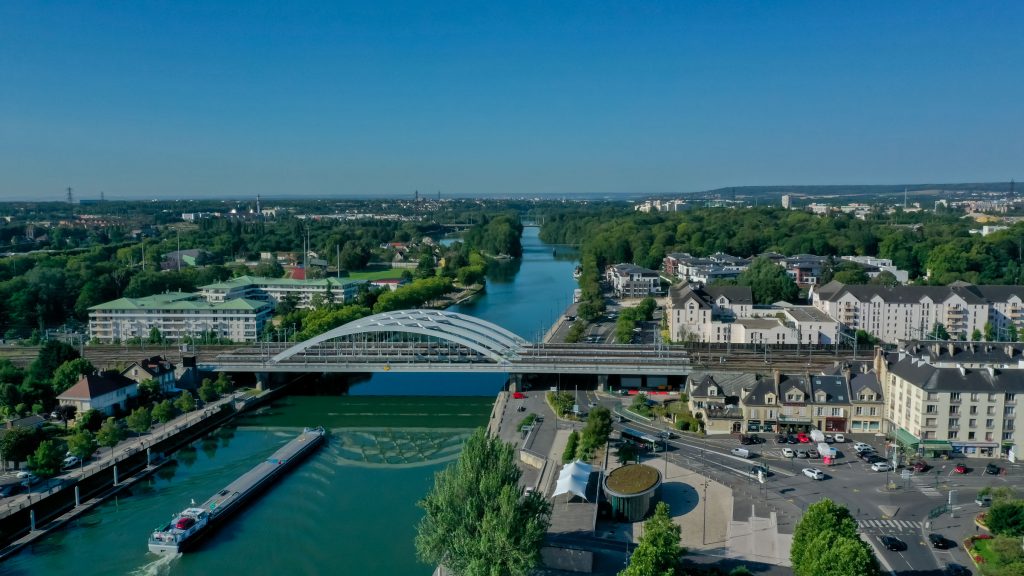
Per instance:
{"type": "Point", "coordinates": [867, 406]}
{"type": "Point", "coordinates": [632, 281]}
{"type": "Point", "coordinates": [177, 315]}
{"type": "Point", "coordinates": [953, 398]}
{"type": "Point", "coordinates": [904, 313]}
{"type": "Point", "coordinates": [274, 290]}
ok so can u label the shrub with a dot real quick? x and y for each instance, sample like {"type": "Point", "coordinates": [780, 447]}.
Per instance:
{"type": "Point", "coordinates": [570, 447]}
{"type": "Point", "coordinates": [526, 422]}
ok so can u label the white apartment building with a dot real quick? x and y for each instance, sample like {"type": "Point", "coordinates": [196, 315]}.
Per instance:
{"type": "Point", "coordinates": [177, 315]}
{"type": "Point", "coordinates": [948, 398]}
{"type": "Point", "coordinates": [632, 281]}
{"type": "Point", "coordinates": [274, 290]}
{"type": "Point", "coordinates": [882, 265]}
{"type": "Point", "coordinates": [911, 312]}
{"type": "Point", "coordinates": [726, 314]}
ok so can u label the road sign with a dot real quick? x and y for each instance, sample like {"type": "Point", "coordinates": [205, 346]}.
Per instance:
{"type": "Point", "coordinates": [906, 474]}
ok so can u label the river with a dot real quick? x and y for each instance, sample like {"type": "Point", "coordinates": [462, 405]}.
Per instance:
{"type": "Point", "coordinates": [350, 509]}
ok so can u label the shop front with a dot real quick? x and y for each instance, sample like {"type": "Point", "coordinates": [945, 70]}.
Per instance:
{"type": "Point", "coordinates": [907, 441]}
{"type": "Point", "coordinates": [835, 425]}
{"type": "Point", "coordinates": [975, 449]}
{"type": "Point", "coordinates": [935, 448]}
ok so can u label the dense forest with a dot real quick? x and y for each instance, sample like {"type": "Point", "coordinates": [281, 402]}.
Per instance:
{"type": "Point", "coordinates": [935, 244]}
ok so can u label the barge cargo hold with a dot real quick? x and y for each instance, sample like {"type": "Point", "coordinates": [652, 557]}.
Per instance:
{"type": "Point", "coordinates": [188, 526]}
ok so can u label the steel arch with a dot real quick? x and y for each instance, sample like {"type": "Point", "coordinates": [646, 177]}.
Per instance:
{"type": "Point", "coordinates": [484, 337]}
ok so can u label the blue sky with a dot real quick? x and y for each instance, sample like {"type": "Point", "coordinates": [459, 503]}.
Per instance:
{"type": "Point", "coordinates": [226, 99]}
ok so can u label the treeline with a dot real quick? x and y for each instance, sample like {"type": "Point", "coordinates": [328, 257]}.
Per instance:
{"type": "Point", "coordinates": [937, 242]}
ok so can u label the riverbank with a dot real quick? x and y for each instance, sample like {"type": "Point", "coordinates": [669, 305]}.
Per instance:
{"type": "Point", "coordinates": [28, 517]}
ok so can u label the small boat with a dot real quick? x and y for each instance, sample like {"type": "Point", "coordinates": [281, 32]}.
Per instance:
{"type": "Point", "coordinates": [577, 273]}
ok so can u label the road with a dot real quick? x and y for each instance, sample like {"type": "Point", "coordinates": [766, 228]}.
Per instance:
{"type": "Point", "coordinates": [902, 512]}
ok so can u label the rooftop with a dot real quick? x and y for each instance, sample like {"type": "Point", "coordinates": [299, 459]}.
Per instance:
{"type": "Point", "coordinates": [632, 479]}
{"type": "Point", "coordinates": [178, 301]}
{"type": "Point", "coordinates": [243, 281]}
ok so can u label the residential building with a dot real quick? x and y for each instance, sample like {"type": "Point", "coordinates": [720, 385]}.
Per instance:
{"type": "Point", "coordinates": [901, 313]}
{"type": "Point", "coordinates": [155, 368]}
{"type": "Point", "coordinates": [953, 398]}
{"type": "Point", "coordinates": [274, 290]}
{"type": "Point", "coordinates": [866, 397]}
{"type": "Point", "coordinates": [761, 405]}
{"type": "Point", "coordinates": [632, 281]}
{"type": "Point", "coordinates": [831, 403]}
{"type": "Point", "coordinates": [177, 316]}
{"type": "Point", "coordinates": [795, 397]}
{"type": "Point", "coordinates": [715, 400]}
{"type": "Point", "coordinates": [105, 393]}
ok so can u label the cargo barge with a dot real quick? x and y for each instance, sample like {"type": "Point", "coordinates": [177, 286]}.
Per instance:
{"type": "Point", "coordinates": [188, 526]}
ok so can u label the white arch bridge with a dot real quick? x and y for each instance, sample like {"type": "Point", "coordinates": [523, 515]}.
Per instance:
{"type": "Point", "coordinates": [442, 341]}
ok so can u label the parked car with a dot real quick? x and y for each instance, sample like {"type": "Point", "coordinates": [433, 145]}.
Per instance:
{"type": "Point", "coordinates": [70, 462]}
{"type": "Point", "coordinates": [746, 440]}
{"type": "Point", "coordinates": [803, 438]}
{"type": "Point", "coordinates": [921, 466]}
{"type": "Point", "coordinates": [8, 490]}
{"type": "Point", "coordinates": [27, 478]}
{"type": "Point", "coordinates": [792, 439]}
{"type": "Point", "coordinates": [983, 501]}
{"type": "Point", "coordinates": [840, 438]}
{"type": "Point", "coordinates": [874, 459]}
{"type": "Point", "coordinates": [814, 473]}
{"type": "Point", "coordinates": [939, 541]}
{"type": "Point", "coordinates": [800, 453]}
{"type": "Point", "coordinates": [757, 439]}
{"type": "Point", "coordinates": [862, 447]}
{"type": "Point", "coordinates": [960, 469]}
{"type": "Point", "coordinates": [781, 439]}
{"type": "Point", "coordinates": [788, 452]}
{"type": "Point", "coordinates": [829, 439]}
{"type": "Point", "coordinates": [991, 468]}
{"type": "Point", "coordinates": [881, 467]}
{"type": "Point", "coordinates": [892, 543]}
{"type": "Point", "coordinates": [812, 453]}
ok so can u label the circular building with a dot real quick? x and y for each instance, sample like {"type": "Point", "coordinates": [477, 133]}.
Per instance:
{"type": "Point", "coordinates": [633, 490]}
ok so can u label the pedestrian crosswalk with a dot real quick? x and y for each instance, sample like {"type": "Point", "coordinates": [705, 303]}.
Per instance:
{"type": "Point", "coordinates": [890, 524]}
{"type": "Point", "coordinates": [927, 489]}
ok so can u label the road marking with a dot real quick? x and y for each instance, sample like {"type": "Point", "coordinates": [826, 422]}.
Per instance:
{"type": "Point", "coordinates": [890, 524]}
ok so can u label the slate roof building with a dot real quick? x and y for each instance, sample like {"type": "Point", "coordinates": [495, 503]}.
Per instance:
{"type": "Point", "coordinates": [103, 392]}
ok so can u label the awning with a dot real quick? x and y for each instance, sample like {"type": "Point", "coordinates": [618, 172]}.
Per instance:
{"type": "Point", "coordinates": [938, 445]}
{"type": "Point", "coordinates": [573, 480]}
{"type": "Point", "coordinates": [906, 438]}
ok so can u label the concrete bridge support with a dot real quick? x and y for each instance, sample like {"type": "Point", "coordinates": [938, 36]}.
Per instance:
{"type": "Point", "coordinates": [262, 381]}
{"type": "Point", "coordinates": [602, 382]}
{"type": "Point", "coordinates": [515, 382]}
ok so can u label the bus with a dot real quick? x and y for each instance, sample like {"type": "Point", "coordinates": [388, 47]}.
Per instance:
{"type": "Point", "coordinates": [641, 439]}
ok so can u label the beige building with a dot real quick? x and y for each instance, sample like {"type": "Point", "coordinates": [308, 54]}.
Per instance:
{"type": "Point", "coordinates": [950, 398]}
{"type": "Point", "coordinates": [102, 392]}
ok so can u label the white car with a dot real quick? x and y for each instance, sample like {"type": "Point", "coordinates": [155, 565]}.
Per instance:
{"type": "Point", "coordinates": [829, 438]}
{"type": "Point", "coordinates": [840, 438]}
{"type": "Point", "coordinates": [788, 452]}
{"type": "Point", "coordinates": [814, 473]}
{"type": "Point", "coordinates": [71, 462]}
{"type": "Point", "coordinates": [862, 447]}
{"type": "Point", "coordinates": [881, 467]}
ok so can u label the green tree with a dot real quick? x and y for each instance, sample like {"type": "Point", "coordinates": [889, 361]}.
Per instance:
{"type": "Point", "coordinates": [52, 354]}
{"type": "Point", "coordinates": [155, 337]}
{"type": "Point", "coordinates": [571, 445]}
{"type": "Point", "coordinates": [149, 391]}
{"type": "Point", "coordinates": [885, 278]}
{"type": "Point", "coordinates": [1006, 517]}
{"type": "Point", "coordinates": [477, 521]}
{"type": "Point", "coordinates": [768, 282]}
{"type": "Point", "coordinates": [18, 443]}
{"type": "Point", "coordinates": [89, 420]}
{"type": "Point", "coordinates": [850, 273]}
{"type": "Point", "coordinates": [938, 332]}
{"type": "Point", "coordinates": [990, 332]}
{"type": "Point", "coordinates": [82, 444]}
{"type": "Point", "coordinates": [831, 553]}
{"type": "Point", "coordinates": [68, 373]}
{"type": "Point", "coordinates": [658, 552]}
{"type": "Point", "coordinates": [822, 516]}
{"type": "Point", "coordinates": [186, 403]}
{"type": "Point", "coordinates": [976, 335]}
{"type": "Point", "coordinates": [163, 412]}
{"type": "Point", "coordinates": [207, 392]}
{"type": "Point", "coordinates": [140, 420]}
{"type": "Point", "coordinates": [46, 460]}
{"type": "Point", "coordinates": [626, 453]}
{"type": "Point", "coordinates": [110, 434]}
{"type": "Point", "coordinates": [1011, 333]}
{"type": "Point", "coordinates": [223, 384]}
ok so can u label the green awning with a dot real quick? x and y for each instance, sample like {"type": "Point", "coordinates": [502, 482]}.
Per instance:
{"type": "Point", "coordinates": [906, 438]}
{"type": "Point", "coordinates": [938, 445]}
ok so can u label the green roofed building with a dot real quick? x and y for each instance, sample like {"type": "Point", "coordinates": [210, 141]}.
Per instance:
{"type": "Point", "coordinates": [273, 290]}
{"type": "Point", "coordinates": [178, 315]}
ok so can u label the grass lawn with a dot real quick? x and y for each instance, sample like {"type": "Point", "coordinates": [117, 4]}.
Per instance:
{"type": "Point", "coordinates": [376, 274]}
{"type": "Point", "coordinates": [632, 478]}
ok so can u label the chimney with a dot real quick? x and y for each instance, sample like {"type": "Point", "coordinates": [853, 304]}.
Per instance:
{"type": "Point", "coordinates": [778, 377]}
{"type": "Point", "coordinates": [847, 372]}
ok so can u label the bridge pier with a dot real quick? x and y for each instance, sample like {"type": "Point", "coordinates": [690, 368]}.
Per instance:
{"type": "Point", "coordinates": [262, 381]}
{"type": "Point", "coordinates": [602, 382]}
{"type": "Point", "coordinates": [515, 382]}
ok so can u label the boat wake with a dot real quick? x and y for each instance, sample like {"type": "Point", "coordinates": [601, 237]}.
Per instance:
{"type": "Point", "coordinates": [158, 567]}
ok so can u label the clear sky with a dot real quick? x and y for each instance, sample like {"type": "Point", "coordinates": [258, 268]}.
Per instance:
{"type": "Point", "coordinates": [177, 99]}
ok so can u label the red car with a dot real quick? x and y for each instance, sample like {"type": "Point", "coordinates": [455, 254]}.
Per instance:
{"type": "Point", "coordinates": [803, 438]}
{"type": "Point", "coordinates": [920, 466]}
{"type": "Point", "coordinates": [518, 395]}
{"type": "Point", "coordinates": [960, 469]}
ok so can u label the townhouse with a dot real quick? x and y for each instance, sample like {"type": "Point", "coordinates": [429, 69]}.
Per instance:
{"type": "Point", "coordinates": [632, 281]}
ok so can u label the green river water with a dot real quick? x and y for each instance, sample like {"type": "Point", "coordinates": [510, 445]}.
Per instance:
{"type": "Point", "coordinates": [351, 507]}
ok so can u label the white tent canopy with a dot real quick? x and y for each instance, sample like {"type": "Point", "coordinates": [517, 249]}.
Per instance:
{"type": "Point", "coordinates": [573, 479]}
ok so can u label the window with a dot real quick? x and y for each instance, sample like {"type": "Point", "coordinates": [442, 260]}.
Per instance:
{"type": "Point", "coordinates": [951, 435]}
{"type": "Point", "coordinates": [931, 409]}
{"type": "Point", "coordinates": [929, 421]}
{"type": "Point", "coordinates": [991, 397]}
{"type": "Point", "coordinates": [970, 435]}
{"type": "Point", "coordinates": [1011, 397]}
{"type": "Point", "coordinates": [991, 410]}
{"type": "Point", "coordinates": [820, 411]}
{"type": "Point", "coordinates": [1007, 424]}
{"type": "Point", "coordinates": [954, 396]}
{"type": "Point", "coordinates": [972, 423]}
{"type": "Point", "coordinates": [859, 410]}
{"type": "Point", "coordinates": [954, 423]}
{"type": "Point", "coordinates": [974, 410]}
{"type": "Point", "coordinates": [872, 411]}
{"type": "Point", "coordinates": [954, 410]}
{"type": "Point", "coordinates": [929, 435]}
{"type": "Point", "coordinates": [990, 423]}
{"type": "Point", "coordinates": [837, 411]}
{"type": "Point", "coordinates": [988, 436]}
{"type": "Point", "coordinates": [974, 397]}
{"type": "Point", "coordinates": [1007, 435]}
